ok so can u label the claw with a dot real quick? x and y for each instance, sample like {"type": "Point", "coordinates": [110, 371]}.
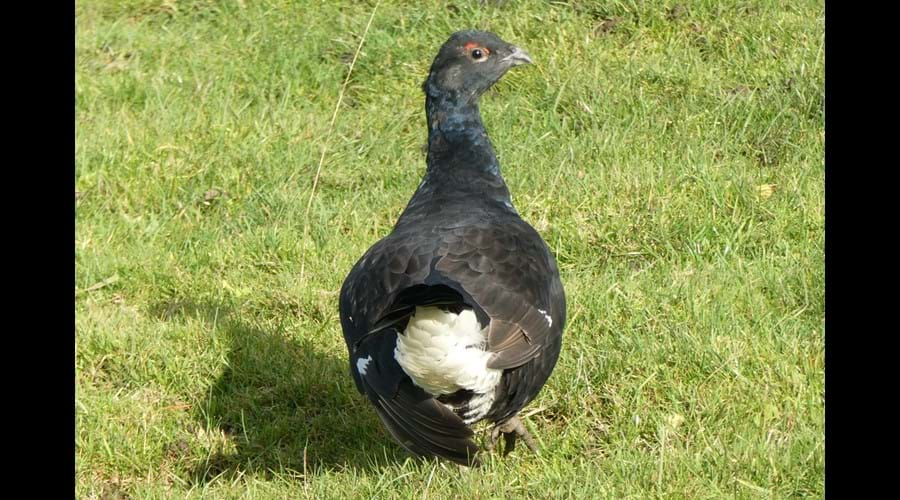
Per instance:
{"type": "Point", "coordinates": [492, 440]}
{"type": "Point", "coordinates": [511, 429]}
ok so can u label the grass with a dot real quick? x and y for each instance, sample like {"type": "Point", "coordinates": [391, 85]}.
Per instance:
{"type": "Point", "coordinates": [670, 154]}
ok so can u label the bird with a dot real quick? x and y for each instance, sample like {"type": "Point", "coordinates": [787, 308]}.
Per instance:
{"type": "Point", "coordinates": [456, 316]}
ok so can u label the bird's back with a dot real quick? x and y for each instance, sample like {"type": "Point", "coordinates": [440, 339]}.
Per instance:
{"type": "Point", "coordinates": [477, 247]}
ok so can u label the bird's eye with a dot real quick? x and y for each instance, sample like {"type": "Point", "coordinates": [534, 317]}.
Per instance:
{"type": "Point", "coordinates": [477, 54]}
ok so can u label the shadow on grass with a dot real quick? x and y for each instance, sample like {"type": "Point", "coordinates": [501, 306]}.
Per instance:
{"type": "Point", "coordinates": [286, 406]}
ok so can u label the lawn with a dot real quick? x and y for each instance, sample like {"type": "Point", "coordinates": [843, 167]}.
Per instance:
{"type": "Point", "coordinates": [671, 154]}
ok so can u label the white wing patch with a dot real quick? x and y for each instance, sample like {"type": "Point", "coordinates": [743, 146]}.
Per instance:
{"type": "Point", "coordinates": [362, 364]}
{"type": "Point", "coordinates": [547, 316]}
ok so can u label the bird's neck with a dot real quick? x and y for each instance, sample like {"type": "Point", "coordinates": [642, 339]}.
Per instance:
{"type": "Point", "coordinates": [457, 141]}
{"type": "Point", "coordinates": [462, 166]}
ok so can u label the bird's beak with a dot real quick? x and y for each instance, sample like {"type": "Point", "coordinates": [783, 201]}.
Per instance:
{"type": "Point", "coordinates": [517, 57]}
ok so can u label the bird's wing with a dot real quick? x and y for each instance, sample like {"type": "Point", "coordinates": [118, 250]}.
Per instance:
{"type": "Point", "coordinates": [510, 274]}
{"type": "Point", "coordinates": [414, 418]}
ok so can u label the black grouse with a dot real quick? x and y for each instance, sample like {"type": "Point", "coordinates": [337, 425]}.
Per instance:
{"type": "Point", "coordinates": [457, 315]}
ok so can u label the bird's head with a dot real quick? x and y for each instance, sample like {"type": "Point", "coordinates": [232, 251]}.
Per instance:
{"type": "Point", "coordinates": [470, 62]}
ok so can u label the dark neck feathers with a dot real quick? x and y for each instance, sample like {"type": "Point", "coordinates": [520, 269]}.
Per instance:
{"type": "Point", "coordinates": [457, 139]}
{"type": "Point", "coordinates": [462, 165]}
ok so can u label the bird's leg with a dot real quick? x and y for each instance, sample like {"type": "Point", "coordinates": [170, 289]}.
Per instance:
{"type": "Point", "coordinates": [511, 429]}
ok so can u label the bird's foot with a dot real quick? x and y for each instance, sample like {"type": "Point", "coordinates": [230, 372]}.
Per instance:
{"type": "Point", "coordinates": [511, 428]}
